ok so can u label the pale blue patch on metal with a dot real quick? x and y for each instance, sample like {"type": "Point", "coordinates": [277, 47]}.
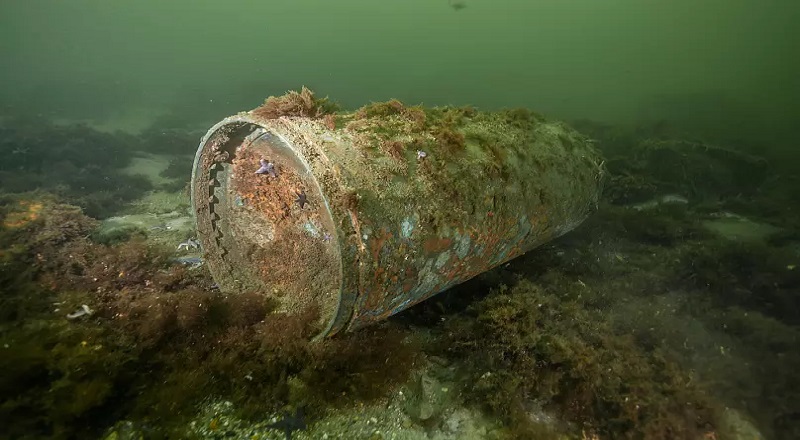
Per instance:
{"type": "Point", "coordinates": [462, 246]}
{"type": "Point", "coordinates": [427, 280]}
{"type": "Point", "coordinates": [442, 259]}
{"type": "Point", "coordinates": [523, 231]}
{"type": "Point", "coordinates": [311, 229]}
{"type": "Point", "coordinates": [402, 306]}
{"type": "Point", "coordinates": [500, 256]}
{"type": "Point", "coordinates": [407, 227]}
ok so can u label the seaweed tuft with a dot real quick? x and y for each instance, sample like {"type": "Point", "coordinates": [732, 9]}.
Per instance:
{"type": "Point", "coordinates": [293, 103]}
{"type": "Point", "coordinates": [541, 345]}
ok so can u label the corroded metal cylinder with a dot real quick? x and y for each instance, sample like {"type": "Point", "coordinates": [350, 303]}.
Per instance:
{"type": "Point", "coordinates": [361, 215]}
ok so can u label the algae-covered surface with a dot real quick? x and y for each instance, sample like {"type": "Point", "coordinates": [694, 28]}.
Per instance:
{"type": "Point", "coordinates": [400, 202]}
{"type": "Point", "coordinates": [655, 319]}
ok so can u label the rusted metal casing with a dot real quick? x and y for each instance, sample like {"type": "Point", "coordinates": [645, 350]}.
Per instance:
{"type": "Point", "coordinates": [364, 214]}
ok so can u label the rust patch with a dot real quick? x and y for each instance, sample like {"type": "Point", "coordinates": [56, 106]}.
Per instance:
{"type": "Point", "coordinates": [273, 197]}
{"type": "Point", "coordinates": [409, 279]}
{"type": "Point", "coordinates": [378, 242]}
{"type": "Point", "coordinates": [436, 245]}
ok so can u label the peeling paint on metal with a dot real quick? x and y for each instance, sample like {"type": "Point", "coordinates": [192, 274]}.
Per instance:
{"type": "Point", "coordinates": [462, 246]}
{"type": "Point", "coordinates": [407, 227]}
{"type": "Point", "coordinates": [311, 229]}
{"type": "Point", "coordinates": [442, 260]}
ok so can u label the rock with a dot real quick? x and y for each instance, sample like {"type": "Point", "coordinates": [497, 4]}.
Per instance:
{"type": "Point", "coordinates": [169, 229]}
{"type": "Point", "coordinates": [427, 399]}
{"type": "Point", "coordinates": [739, 427]}
{"type": "Point", "coordinates": [738, 228]}
{"type": "Point", "coordinates": [667, 199]}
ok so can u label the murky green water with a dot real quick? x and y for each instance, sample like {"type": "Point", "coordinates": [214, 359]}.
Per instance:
{"type": "Point", "coordinates": [671, 313]}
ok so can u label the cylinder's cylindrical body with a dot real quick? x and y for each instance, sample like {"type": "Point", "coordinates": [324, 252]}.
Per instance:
{"type": "Point", "coordinates": [364, 214]}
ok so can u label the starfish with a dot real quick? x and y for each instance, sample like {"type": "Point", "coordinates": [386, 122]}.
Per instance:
{"type": "Point", "coordinates": [267, 168]}
{"type": "Point", "coordinates": [301, 199]}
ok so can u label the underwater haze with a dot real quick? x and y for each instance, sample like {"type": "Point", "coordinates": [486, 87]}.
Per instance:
{"type": "Point", "coordinates": [614, 60]}
{"type": "Point", "coordinates": [428, 220]}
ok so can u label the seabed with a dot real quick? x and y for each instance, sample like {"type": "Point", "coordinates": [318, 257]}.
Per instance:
{"type": "Point", "coordinates": [671, 313]}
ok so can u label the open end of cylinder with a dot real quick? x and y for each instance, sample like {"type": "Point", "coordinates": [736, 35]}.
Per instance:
{"type": "Point", "coordinates": [263, 220]}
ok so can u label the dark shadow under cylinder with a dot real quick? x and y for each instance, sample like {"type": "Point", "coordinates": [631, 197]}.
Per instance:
{"type": "Point", "coordinates": [361, 215]}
